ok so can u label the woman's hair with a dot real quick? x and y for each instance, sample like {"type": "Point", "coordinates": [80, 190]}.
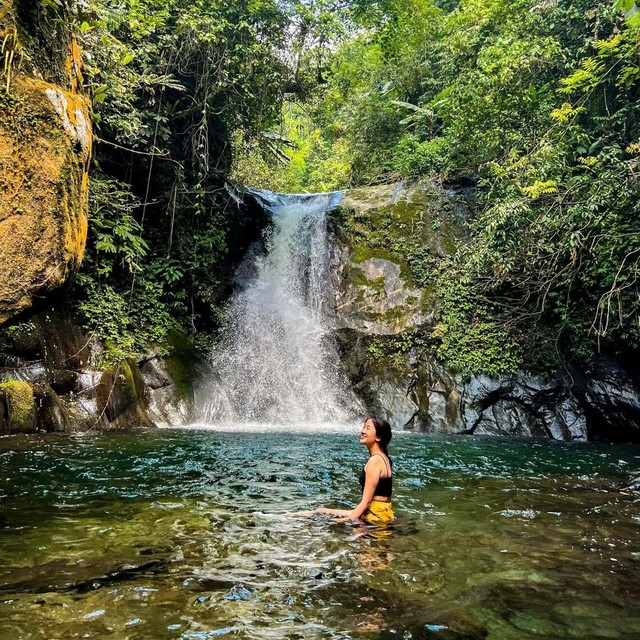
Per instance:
{"type": "Point", "coordinates": [383, 431]}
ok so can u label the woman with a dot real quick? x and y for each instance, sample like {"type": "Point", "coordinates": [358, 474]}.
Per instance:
{"type": "Point", "coordinates": [375, 478]}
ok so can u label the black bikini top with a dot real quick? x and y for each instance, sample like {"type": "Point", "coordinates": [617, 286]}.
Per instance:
{"type": "Point", "coordinates": [384, 487]}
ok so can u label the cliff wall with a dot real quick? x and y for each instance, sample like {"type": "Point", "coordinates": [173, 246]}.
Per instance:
{"type": "Point", "coordinates": [388, 241]}
{"type": "Point", "coordinates": [45, 147]}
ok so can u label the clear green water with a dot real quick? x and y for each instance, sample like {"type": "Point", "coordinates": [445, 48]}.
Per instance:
{"type": "Point", "coordinates": [183, 534]}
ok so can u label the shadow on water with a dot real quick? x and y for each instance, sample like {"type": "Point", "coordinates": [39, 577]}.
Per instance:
{"type": "Point", "coordinates": [184, 535]}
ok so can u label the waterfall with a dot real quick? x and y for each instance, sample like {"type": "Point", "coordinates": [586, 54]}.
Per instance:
{"type": "Point", "coordinates": [278, 362]}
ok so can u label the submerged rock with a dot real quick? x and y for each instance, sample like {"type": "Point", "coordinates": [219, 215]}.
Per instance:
{"type": "Point", "coordinates": [65, 576]}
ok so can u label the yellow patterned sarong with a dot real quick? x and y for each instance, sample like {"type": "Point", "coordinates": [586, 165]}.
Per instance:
{"type": "Point", "coordinates": [378, 513]}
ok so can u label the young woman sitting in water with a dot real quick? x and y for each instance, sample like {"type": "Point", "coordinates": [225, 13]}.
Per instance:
{"type": "Point", "coordinates": [375, 478]}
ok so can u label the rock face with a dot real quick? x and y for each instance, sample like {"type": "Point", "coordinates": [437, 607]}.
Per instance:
{"type": "Point", "coordinates": [169, 384]}
{"type": "Point", "coordinates": [374, 273]}
{"type": "Point", "coordinates": [374, 297]}
{"type": "Point", "coordinates": [54, 387]}
{"type": "Point", "coordinates": [383, 302]}
{"type": "Point", "coordinates": [45, 147]}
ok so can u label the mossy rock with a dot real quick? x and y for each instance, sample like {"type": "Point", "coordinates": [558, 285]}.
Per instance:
{"type": "Point", "coordinates": [18, 407]}
{"type": "Point", "coordinates": [410, 224]}
{"type": "Point", "coordinates": [45, 147]}
{"type": "Point", "coordinates": [390, 240]}
{"type": "Point", "coordinates": [121, 398]}
{"type": "Point", "coordinates": [180, 364]}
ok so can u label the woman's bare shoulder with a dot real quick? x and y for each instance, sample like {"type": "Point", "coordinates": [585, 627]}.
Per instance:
{"type": "Point", "coordinates": [376, 461]}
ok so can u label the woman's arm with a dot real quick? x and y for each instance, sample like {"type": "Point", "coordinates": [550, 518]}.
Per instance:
{"type": "Point", "coordinates": [340, 513]}
{"type": "Point", "coordinates": [373, 470]}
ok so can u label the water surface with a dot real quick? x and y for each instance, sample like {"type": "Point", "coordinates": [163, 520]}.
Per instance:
{"type": "Point", "coordinates": [183, 534]}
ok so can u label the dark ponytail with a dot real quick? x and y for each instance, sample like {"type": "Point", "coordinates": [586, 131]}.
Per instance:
{"type": "Point", "coordinates": [383, 431]}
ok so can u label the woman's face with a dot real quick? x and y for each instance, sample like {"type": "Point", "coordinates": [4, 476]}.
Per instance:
{"type": "Point", "coordinates": [368, 433]}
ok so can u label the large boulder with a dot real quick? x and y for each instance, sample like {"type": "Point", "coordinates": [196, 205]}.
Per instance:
{"type": "Point", "coordinates": [169, 377]}
{"type": "Point", "coordinates": [384, 235]}
{"type": "Point", "coordinates": [45, 147]}
{"type": "Point", "coordinates": [17, 408]}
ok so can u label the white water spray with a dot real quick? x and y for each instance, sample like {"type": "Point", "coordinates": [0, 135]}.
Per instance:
{"type": "Point", "coordinates": [278, 363]}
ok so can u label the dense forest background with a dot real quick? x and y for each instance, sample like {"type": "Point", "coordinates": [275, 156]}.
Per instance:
{"type": "Point", "coordinates": [535, 103]}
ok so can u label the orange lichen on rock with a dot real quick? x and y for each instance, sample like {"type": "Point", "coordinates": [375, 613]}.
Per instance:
{"type": "Point", "coordinates": [74, 65]}
{"type": "Point", "coordinates": [45, 146]}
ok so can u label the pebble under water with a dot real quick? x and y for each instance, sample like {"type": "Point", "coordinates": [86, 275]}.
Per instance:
{"type": "Point", "coordinates": [184, 534]}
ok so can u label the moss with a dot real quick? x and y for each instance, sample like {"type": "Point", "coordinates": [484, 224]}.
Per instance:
{"type": "Point", "coordinates": [410, 226]}
{"type": "Point", "coordinates": [395, 314]}
{"type": "Point", "coordinates": [429, 299]}
{"type": "Point", "coordinates": [127, 381]}
{"type": "Point", "coordinates": [21, 404]}
{"type": "Point", "coordinates": [366, 252]}
{"type": "Point", "coordinates": [180, 364]}
{"type": "Point", "coordinates": [45, 33]}
{"type": "Point", "coordinates": [390, 354]}
{"type": "Point", "coordinates": [20, 118]}
{"type": "Point", "coordinates": [7, 17]}
{"type": "Point", "coordinates": [358, 277]}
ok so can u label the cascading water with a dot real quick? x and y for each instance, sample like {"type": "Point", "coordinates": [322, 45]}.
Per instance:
{"type": "Point", "coordinates": [278, 363]}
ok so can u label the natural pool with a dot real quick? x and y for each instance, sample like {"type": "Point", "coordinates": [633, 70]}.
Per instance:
{"type": "Point", "coordinates": [183, 534]}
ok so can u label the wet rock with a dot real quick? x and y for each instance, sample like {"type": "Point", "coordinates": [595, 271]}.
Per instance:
{"type": "Point", "coordinates": [154, 373]}
{"type": "Point", "coordinates": [17, 408]}
{"type": "Point", "coordinates": [169, 382]}
{"type": "Point", "coordinates": [522, 406]}
{"type": "Point", "coordinates": [396, 403]}
{"type": "Point", "coordinates": [395, 615]}
{"type": "Point", "coordinates": [121, 395]}
{"type": "Point", "coordinates": [425, 395]}
{"type": "Point", "coordinates": [52, 414]}
{"type": "Point", "coordinates": [633, 484]}
{"type": "Point", "coordinates": [611, 401]}
{"type": "Point", "coordinates": [69, 393]}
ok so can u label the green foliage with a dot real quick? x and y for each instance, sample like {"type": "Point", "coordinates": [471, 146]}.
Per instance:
{"type": "Point", "coordinates": [173, 83]}
{"type": "Point", "coordinates": [472, 339]}
{"type": "Point", "coordinates": [539, 103]}
{"type": "Point", "coordinates": [535, 101]}
{"type": "Point", "coordinates": [126, 322]}
{"type": "Point", "coordinates": [393, 352]}
{"type": "Point", "coordinates": [116, 236]}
